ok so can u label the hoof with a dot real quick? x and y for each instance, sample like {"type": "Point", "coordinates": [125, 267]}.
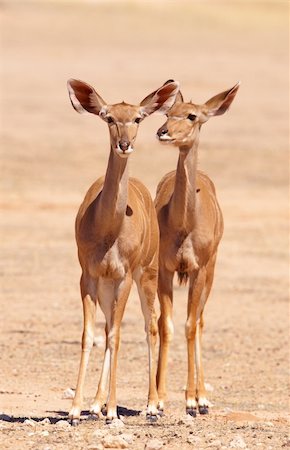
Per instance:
{"type": "Point", "coordinates": [108, 421]}
{"type": "Point", "coordinates": [75, 422]}
{"type": "Point", "coordinates": [203, 410]}
{"type": "Point", "coordinates": [160, 412]}
{"type": "Point", "coordinates": [93, 416]}
{"type": "Point", "coordinates": [151, 418]}
{"type": "Point", "coordinates": [191, 412]}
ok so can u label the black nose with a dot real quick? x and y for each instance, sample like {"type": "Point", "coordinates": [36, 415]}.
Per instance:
{"type": "Point", "coordinates": [124, 145]}
{"type": "Point", "coordinates": [163, 130]}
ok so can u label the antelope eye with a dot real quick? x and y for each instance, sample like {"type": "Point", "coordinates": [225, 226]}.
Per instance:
{"type": "Point", "coordinates": [138, 120]}
{"type": "Point", "coordinates": [110, 120]}
{"type": "Point", "coordinates": [191, 117]}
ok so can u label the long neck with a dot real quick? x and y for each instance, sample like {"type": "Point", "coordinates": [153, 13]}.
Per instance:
{"type": "Point", "coordinates": [183, 200]}
{"type": "Point", "coordinates": [112, 205]}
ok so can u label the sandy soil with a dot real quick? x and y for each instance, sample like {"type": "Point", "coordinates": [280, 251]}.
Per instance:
{"type": "Point", "coordinates": [50, 156]}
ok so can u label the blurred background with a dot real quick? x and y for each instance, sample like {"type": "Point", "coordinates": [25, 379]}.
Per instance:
{"type": "Point", "coordinates": [50, 156]}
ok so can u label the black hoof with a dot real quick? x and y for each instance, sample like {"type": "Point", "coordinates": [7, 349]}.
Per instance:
{"type": "Point", "coordinates": [191, 412]}
{"type": "Point", "coordinates": [75, 422]}
{"type": "Point", "coordinates": [160, 412]}
{"type": "Point", "coordinates": [109, 421]}
{"type": "Point", "coordinates": [152, 418]}
{"type": "Point", "coordinates": [93, 416]}
{"type": "Point", "coordinates": [203, 410]}
{"type": "Point", "coordinates": [104, 410]}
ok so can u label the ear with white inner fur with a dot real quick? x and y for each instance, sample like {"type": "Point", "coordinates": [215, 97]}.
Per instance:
{"type": "Point", "coordinates": [220, 103]}
{"type": "Point", "coordinates": [161, 100]}
{"type": "Point", "coordinates": [84, 98]}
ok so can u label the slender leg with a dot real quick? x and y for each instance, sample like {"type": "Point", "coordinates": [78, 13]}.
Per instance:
{"type": "Point", "coordinates": [96, 407]}
{"type": "Point", "coordinates": [113, 298]}
{"type": "Point", "coordinates": [194, 297]}
{"type": "Point", "coordinates": [203, 403]}
{"type": "Point", "coordinates": [147, 287]}
{"type": "Point", "coordinates": [165, 324]}
{"type": "Point", "coordinates": [89, 310]}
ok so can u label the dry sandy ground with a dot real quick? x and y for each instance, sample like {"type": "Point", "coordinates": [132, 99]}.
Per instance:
{"type": "Point", "coordinates": [50, 156]}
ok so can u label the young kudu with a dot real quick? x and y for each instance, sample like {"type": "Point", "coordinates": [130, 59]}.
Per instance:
{"type": "Point", "coordinates": [118, 241]}
{"type": "Point", "coordinates": [191, 227]}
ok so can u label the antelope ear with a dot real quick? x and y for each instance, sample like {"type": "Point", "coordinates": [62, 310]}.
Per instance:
{"type": "Point", "coordinates": [84, 98]}
{"type": "Point", "coordinates": [161, 100]}
{"type": "Point", "coordinates": [220, 103]}
{"type": "Point", "coordinates": [179, 96]}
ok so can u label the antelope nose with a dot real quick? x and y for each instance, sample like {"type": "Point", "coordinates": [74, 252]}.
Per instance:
{"type": "Point", "coordinates": [124, 145]}
{"type": "Point", "coordinates": [162, 131]}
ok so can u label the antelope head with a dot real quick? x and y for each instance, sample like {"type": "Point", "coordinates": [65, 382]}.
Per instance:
{"type": "Point", "coordinates": [123, 119]}
{"type": "Point", "coordinates": [185, 119]}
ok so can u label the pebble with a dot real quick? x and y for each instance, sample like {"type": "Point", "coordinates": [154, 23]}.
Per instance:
{"type": "Point", "coordinates": [45, 433]}
{"type": "Point", "coordinates": [153, 444]}
{"type": "Point", "coordinates": [45, 421]}
{"type": "Point", "coordinates": [30, 422]}
{"type": "Point", "coordinates": [127, 437]}
{"type": "Point", "coordinates": [116, 423]}
{"type": "Point", "coordinates": [114, 442]}
{"type": "Point", "coordinates": [68, 393]}
{"type": "Point", "coordinates": [238, 442]}
{"type": "Point", "coordinates": [62, 424]}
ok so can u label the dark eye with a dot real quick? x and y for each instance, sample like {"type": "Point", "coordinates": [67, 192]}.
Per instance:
{"type": "Point", "coordinates": [191, 117]}
{"type": "Point", "coordinates": [110, 120]}
{"type": "Point", "coordinates": [138, 120]}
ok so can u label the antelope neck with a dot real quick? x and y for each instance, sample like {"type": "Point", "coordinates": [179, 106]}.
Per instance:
{"type": "Point", "coordinates": [114, 196]}
{"type": "Point", "coordinates": [182, 203]}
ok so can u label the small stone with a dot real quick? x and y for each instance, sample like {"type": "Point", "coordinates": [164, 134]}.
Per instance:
{"type": "Point", "coordinates": [45, 421]}
{"type": "Point", "coordinates": [116, 423]}
{"type": "Point", "coordinates": [269, 424]}
{"type": "Point", "coordinates": [62, 424]}
{"type": "Point", "coordinates": [238, 442]}
{"type": "Point", "coordinates": [127, 437]}
{"type": "Point", "coordinates": [45, 433]}
{"type": "Point", "coordinates": [110, 441]}
{"type": "Point", "coordinates": [153, 444]}
{"type": "Point", "coordinates": [68, 393]}
{"type": "Point", "coordinates": [30, 422]}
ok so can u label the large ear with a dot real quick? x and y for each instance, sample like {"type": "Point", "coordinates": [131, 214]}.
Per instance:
{"type": "Point", "coordinates": [161, 100]}
{"type": "Point", "coordinates": [220, 103]}
{"type": "Point", "coordinates": [84, 98]}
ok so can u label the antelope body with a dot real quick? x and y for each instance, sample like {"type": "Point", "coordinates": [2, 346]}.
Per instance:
{"type": "Point", "coordinates": [191, 227]}
{"type": "Point", "coordinates": [118, 241]}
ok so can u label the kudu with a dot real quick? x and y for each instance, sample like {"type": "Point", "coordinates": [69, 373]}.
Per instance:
{"type": "Point", "coordinates": [191, 227]}
{"type": "Point", "coordinates": [118, 241]}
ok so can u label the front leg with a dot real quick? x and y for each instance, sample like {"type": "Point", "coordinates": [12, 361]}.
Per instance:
{"type": "Point", "coordinates": [113, 297]}
{"type": "Point", "coordinates": [89, 310]}
{"type": "Point", "coordinates": [147, 287]}
{"type": "Point", "coordinates": [194, 310]}
{"type": "Point", "coordinates": [165, 324]}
